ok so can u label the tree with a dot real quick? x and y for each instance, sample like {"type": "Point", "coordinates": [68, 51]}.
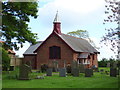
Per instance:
{"type": "Point", "coordinates": [82, 34]}
{"type": "Point", "coordinates": [112, 17]}
{"type": "Point", "coordinates": [15, 17]}
{"type": "Point", "coordinates": [5, 59]}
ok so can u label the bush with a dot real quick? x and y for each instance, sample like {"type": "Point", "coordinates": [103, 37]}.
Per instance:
{"type": "Point", "coordinates": [5, 59]}
{"type": "Point", "coordinates": [44, 68]}
{"type": "Point", "coordinates": [69, 70]}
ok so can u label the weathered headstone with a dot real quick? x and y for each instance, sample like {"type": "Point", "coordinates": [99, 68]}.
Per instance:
{"type": "Point", "coordinates": [113, 72]}
{"type": "Point", "coordinates": [62, 72]}
{"type": "Point", "coordinates": [74, 66]}
{"type": "Point", "coordinates": [82, 68]}
{"type": "Point", "coordinates": [108, 64]}
{"type": "Point", "coordinates": [114, 65]}
{"type": "Point", "coordinates": [24, 72]}
{"type": "Point", "coordinates": [55, 66]}
{"type": "Point", "coordinates": [49, 72]}
{"type": "Point", "coordinates": [76, 72]}
{"type": "Point", "coordinates": [88, 72]}
{"type": "Point", "coordinates": [91, 70]}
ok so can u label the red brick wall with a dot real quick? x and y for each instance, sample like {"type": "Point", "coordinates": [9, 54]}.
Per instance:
{"type": "Point", "coordinates": [43, 51]}
{"type": "Point", "coordinates": [75, 56]}
{"type": "Point", "coordinates": [93, 60]}
{"type": "Point", "coordinates": [32, 59]}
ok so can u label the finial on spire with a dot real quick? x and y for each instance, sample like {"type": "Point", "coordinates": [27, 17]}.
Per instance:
{"type": "Point", "coordinates": [56, 18]}
{"type": "Point", "coordinates": [56, 23]}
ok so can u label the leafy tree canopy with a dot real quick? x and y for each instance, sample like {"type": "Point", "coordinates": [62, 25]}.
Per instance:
{"type": "Point", "coordinates": [5, 58]}
{"type": "Point", "coordinates": [112, 37]}
{"type": "Point", "coordinates": [83, 34]}
{"type": "Point", "coordinates": [15, 17]}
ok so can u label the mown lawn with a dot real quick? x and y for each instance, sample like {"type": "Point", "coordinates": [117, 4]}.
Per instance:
{"type": "Point", "coordinates": [97, 81]}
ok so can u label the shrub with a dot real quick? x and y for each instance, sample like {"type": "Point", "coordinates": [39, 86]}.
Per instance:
{"type": "Point", "coordinates": [69, 70]}
{"type": "Point", "coordinates": [5, 59]}
{"type": "Point", "coordinates": [44, 68]}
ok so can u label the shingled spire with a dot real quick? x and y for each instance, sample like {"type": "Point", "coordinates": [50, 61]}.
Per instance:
{"type": "Point", "coordinates": [57, 24]}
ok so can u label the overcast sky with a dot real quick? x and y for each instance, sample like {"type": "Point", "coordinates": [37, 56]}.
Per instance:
{"type": "Point", "coordinates": [74, 14]}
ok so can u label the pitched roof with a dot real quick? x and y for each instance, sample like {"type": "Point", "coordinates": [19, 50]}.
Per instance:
{"type": "Point", "coordinates": [32, 48]}
{"type": "Point", "coordinates": [83, 55]}
{"type": "Point", "coordinates": [77, 44]}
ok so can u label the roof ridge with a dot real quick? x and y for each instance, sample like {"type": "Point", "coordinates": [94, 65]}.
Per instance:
{"type": "Point", "coordinates": [74, 36]}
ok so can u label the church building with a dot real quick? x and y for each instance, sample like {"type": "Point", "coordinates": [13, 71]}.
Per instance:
{"type": "Point", "coordinates": [60, 47]}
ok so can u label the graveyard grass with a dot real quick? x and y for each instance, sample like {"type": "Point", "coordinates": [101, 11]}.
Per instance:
{"type": "Point", "coordinates": [97, 81]}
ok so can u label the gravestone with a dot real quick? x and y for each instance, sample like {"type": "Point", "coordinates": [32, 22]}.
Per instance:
{"type": "Point", "coordinates": [74, 66]}
{"type": "Point", "coordinates": [24, 72]}
{"type": "Point", "coordinates": [55, 66]}
{"type": "Point", "coordinates": [62, 72]}
{"type": "Point", "coordinates": [108, 64]}
{"type": "Point", "coordinates": [114, 65]}
{"type": "Point", "coordinates": [91, 70]}
{"type": "Point", "coordinates": [49, 72]}
{"type": "Point", "coordinates": [82, 68]}
{"type": "Point", "coordinates": [88, 72]}
{"type": "Point", "coordinates": [113, 72]}
{"type": "Point", "coordinates": [76, 72]}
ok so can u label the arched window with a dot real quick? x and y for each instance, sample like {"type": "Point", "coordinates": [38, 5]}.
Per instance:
{"type": "Point", "coordinates": [54, 52]}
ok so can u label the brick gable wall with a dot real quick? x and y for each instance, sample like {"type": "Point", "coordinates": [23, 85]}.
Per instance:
{"type": "Point", "coordinates": [43, 51]}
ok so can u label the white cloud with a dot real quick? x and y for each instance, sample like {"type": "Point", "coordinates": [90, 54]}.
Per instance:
{"type": "Point", "coordinates": [22, 50]}
{"type": "Point", "coordinates": [79, 6]}
{"type": "Point", "coordinates": [72, 12]}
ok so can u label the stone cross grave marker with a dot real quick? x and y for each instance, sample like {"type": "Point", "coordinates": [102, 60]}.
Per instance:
{"type": "Point", "coordinates": [24, 72]}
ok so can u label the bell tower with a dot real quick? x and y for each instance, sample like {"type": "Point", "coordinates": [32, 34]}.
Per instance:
{"type": "Point", "coordinates": [57, 24]}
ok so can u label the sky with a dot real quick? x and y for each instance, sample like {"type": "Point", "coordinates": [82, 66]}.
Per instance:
{"type": "Point", "coordinates": [74, 14]}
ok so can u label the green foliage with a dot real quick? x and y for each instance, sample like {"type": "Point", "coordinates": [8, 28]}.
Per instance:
{"type": "Point", "coordinates": [79, 33]}
{"type": "Point", "coordinates": [112, 36]}
{"type": "Point", "coordinates": [104, 61]}
{"type": "Point", "coordinates": [5, 58]}
{"type": "Point", "coordinates": [44, 68]}
{"type": "Point", "coordinates": [15, 17]}
{"type": "Point", "coordinates": [83, 34]}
